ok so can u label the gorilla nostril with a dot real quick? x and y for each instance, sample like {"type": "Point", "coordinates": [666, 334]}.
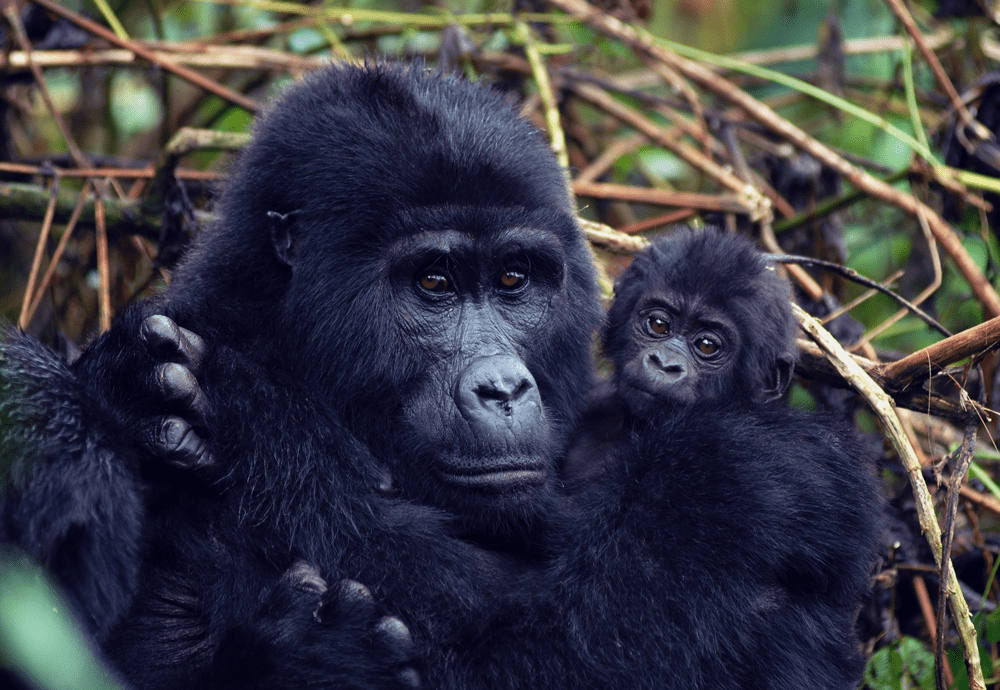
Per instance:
{"type": "Point", "coordinates": [503, 392]}
{"type": "Point", "coordinates": [656, 365]}
{"type": "Point", "coordinates": [498, 387]}
{"type": "Point", "coordinates": [522, 389]}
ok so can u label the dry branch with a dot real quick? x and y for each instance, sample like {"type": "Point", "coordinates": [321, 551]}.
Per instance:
{"type": "Point", "coordinates": [883, 407]}
{"type": "Point", "coordinates": [205, 56]}
{"type": "Point", "coordinates": [28, 202]}
{"type": "Point", "coordinates": [646, 43]}
{"type": "Point", "coordinates": [973, 342]}
{"type": "Point", "coordinates": [662, 197]}
{"type": "Point", "coordinates": [147, 54]}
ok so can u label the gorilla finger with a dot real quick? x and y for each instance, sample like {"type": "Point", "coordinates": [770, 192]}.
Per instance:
{"type": "Point", "coordinates": [354, 594]}
{"type": "Point", "coordinates": [162, 336]}
{"type": "Point", "coordinates": [177, 443]}
{"type": "Point", "coordinates": [177, 384]}
{"type": "Point", "coordinates": [347, 597]}
{"type": "Point", "coordinates": [168, 341]}
{"type": "Point", "coordinates": [194, 347]}
{"type": "Point", "coordinates": [393, 634]}
{"type": "Point", "coordinates": [305, 577]}
{"type": "Point", "coordinates": [409, 677]}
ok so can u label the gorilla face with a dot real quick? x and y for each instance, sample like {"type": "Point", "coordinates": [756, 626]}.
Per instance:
{"type": "Point", "coordinates": [680, 346]}
{"type": "Point", "coordinates": [476, 305]}
{"type": "Point", "coordinates": [417, 265]}
{"type": "Point", "coordinates": [699, 317]}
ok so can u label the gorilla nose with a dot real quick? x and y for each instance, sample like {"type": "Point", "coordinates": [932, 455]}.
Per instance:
{"type": "Point", "coordinates": [663, 367]}
{"type": "Point", "coordinates": [498, 391]}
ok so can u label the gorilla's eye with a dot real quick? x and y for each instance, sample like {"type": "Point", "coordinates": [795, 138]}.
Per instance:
{"type": "Point", "coordinates": [707, 346]}
{"type": "Point", "coordinates": [512, 280]}
{"type": "Point", "coordinates": [657, 325]}
{"type": "Point", "coordinates": [434, 282]}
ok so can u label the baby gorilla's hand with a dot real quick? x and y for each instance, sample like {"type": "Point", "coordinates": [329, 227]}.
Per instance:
{"type": "Point", "coordinates": [173, 438]}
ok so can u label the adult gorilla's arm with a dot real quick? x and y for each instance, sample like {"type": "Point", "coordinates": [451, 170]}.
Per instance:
{"type": "Point", "coordinates": [71, 456]}
{"type": "Point", "coordinates": [90, 450]}
{"type": "Point", "coordinates": [70, 497]}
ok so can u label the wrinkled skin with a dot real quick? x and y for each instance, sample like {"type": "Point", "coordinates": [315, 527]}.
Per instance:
{"type": "Point", "coordinates": [396, 309]}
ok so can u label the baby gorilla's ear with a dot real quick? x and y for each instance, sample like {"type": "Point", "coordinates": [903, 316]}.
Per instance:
{"type": "Point", "coordinates": [778, 379]}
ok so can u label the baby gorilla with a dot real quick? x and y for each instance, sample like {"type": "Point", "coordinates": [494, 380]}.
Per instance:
{"type": "Point", "coordinates": [729, 539]}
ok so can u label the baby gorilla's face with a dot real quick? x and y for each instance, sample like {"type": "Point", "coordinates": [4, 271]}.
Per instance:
{"type": "Point", "coordinates": [681, 350]}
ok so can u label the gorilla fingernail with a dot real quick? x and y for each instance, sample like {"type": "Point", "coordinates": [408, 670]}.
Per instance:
{"type": "Point", "coordinates": [394, 634]}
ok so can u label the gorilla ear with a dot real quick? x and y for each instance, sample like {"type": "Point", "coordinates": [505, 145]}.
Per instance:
{"type": "Point", "coordinates": [779, 379]}
{"type": "Point", "coordinates": [281, 236]}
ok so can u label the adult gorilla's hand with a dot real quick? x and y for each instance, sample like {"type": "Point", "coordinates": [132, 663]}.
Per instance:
{"type": "Point", "coordinates": [309, 634]}
{"type": "Point", "coordinates": [174, 381]}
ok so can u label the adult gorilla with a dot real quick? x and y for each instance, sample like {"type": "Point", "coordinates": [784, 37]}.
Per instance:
{"type": "Point", "coordinates": [398, 306]}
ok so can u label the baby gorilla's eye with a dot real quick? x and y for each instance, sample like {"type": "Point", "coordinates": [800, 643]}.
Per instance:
{"type": "Point", "coordinates": [512, 280]}
{"type": "Point", "coordinates": [707, 346]}
{"type": "Point", "coordinates": [434, 282]}
{"type": "Point", "coordinates": [657, 325]}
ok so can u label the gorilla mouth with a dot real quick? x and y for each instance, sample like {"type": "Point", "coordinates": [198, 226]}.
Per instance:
{"type": "Point", "coordinates": [496, 479]}
{"type": "Point", "coordinates": [510, 471]}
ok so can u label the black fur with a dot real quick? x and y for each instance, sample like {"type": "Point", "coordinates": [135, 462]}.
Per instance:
{"type": "Point", "coordinates": [727, 542]}
{"type": "Point", "coordinates": [71, 498]}
{"type": "Point", "coordinates": [399, 308]}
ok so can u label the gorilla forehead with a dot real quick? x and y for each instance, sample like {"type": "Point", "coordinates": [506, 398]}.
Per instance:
{"type": "Point", "coordinates": [379, 139]}
{"type": "Point", "coordinates": [486, 234]}
{"type": "Point", "coordinates": [712, 267]}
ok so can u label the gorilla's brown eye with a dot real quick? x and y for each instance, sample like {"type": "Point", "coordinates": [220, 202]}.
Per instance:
{"type": "Point", "coordinates": [658, 326]}
{"type": "Point", "coordinates": [434, 282]}
{"type": "Point", "coordinates": [512, 280]}
{"type": "Point", "coordinates": [707, 346]}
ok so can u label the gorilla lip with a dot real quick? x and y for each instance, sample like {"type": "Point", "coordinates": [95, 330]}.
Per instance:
{"type": "Point", "coordinates": [496, 478]}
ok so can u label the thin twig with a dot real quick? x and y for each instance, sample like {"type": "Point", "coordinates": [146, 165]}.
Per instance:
{"type": "Point", "coordinates": [544, 84]}
{"type": "Point", "coordinates": [927, 611]}
{"type": "Point", "coordinates": [205, 56]}
{"type": "Point", "coordinates": [146, 54]}
{"type": "Point", "coordinates": [856, 277]}
{"type": "Point", "coordinates": [57, 254]}
{"type": "Point", "coordinates": [662, 220]}
{"type": "Point", "coordinates": [609, 155]}
{"type": "Point", "coordinates": [942, 77]}
{"type": "Point", "coordinates": [963, 458]}
{"type": "Point", "coordinates": [36, 263]}
{"type": "Point", "coordinates": [123, 173]}
{"type": "Point", "coordinates": [710, 202]}
{"type": "Point", "coordinates": [883, 407]}
{"type": "Point", "coordinates": [608, 238]}
{"type": "Point", "coordinates": [103, 264]}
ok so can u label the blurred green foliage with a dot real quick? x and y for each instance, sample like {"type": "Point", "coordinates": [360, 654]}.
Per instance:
{"type": "Point", "coordinates": [38, 636]}
{"type": "Point", "coordinates": [122, 112]}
